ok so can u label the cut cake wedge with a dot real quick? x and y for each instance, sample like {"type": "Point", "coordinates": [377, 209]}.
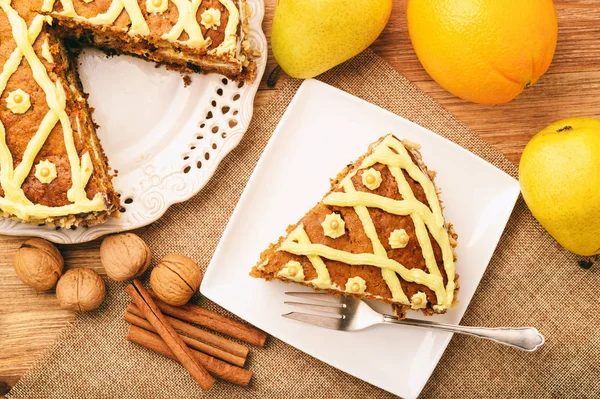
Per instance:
{"type": "Point", "coordinates": [52, 168]}
{"type": "Point", "coordinates": [379, 233]}
{"type": "Point", "coordinates": [190, 35]}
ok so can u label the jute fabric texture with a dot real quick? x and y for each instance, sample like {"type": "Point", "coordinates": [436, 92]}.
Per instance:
{"type": "Point", "coordinates": [529, 281]}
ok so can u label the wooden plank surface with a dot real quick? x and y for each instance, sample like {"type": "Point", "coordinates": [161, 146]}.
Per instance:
{"type": "Point", "coordinates": [30, 321]}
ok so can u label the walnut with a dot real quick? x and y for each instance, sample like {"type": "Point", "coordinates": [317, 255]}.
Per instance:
{"type": "Point", "coordinates": [38, 264]}
{"type": "Point", "coordinates": [124, 256]}
{"type": "Point", "coordinates": [175, 279]}
{"type": "Point", "coordinates": [80, 289]}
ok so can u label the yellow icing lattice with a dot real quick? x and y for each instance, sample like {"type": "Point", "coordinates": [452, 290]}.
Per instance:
{"type": "Point", "coordinates": [426, 218]}
{"type": "Point", "coordinates": [11, 178]}
{"type": "Point", "coordinates": [187, 21]}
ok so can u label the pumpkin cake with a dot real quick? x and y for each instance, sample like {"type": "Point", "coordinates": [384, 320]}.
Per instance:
{"type": "Point", "coordinates": [53, 170]}
{"type": "Point", "coordinates": [379, 233]}
{"type": "Point", "coordinates": [195, 35]}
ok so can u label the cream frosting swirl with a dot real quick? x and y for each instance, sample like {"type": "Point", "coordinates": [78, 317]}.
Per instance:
{"type": "Point", "coordinates": [293, 271]}
{"type": "Point", "coordinates": [371, 178]}
{"type": "Point", "coordinates": [45, 171]}
{"type": "Point", "coordinates": [211, 18]}
{"type": "Point", "coordinates": [356, 285]}
{"type": "Point", "coordinates": [418, 300]}
{"type": "Point", "coordinates": [333, 225]}
{"type": "Point", "coordinates": [18, 101]}
{"type": "Point", "coordinates": [398, 239]}
{"type": "Point", "coordinates": [157, 6]}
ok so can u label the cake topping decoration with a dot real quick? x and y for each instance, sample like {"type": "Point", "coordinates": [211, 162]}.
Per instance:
{"type": "Point", "coordinates": [46, 52]}
{"type": "Point", "coordinates": [292, 270]}
{"type": "Point", "coordinates": [187, 21]}
{"type": "Point", "coordinates": [157, 6]}
{"type": "Point", "coordinates": [398, 239]}
{"type": "Point", "coordinates": [356, 285]}
{"type": "Point", "coordinates": [371, 178]}
{"type": "Point", "coordinates": [45, 171]}
{"type": "Point", "coordinates": [333, 225]}
{"type": "Point", "coordinates": [418, 301]}
{"type": "Point", "coordinates": [18, 101]}
{"type": "Point", "coordinates": [211, 18]}
{"type": "Point", "coordinates": [138, 23]}
{"type": "Point", "coordinates": [427, 218]}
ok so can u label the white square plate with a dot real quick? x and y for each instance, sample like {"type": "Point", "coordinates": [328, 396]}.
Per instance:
{"type": "Point", "coordinates": [322, 130]}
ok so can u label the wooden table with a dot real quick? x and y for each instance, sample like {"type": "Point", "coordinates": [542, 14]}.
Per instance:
{"type": "Point", "coordinates": [30, 321]}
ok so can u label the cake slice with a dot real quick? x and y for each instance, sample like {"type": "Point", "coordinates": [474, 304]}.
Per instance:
{"type": "Point", "coordinates": [52, 168]}
{"type": "Point", "coordinates": [196, 35]}
{"type": "Point", "coordinates": [379, 233]}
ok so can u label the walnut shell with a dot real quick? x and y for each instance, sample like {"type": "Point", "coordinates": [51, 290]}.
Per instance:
{"type": "Point", "coordinates": [175, 279]}
{"type": "Point", "coordinates": [124, 256]}
{"type": "Point", "coordinates": [38, 264]}
{"type": "Point", "coordinates": [80, 289]}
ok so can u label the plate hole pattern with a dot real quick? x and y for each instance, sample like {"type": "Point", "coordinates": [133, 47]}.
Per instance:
{"type": "Point", "coordinates": [126, 201]}
{"type": "Point", "coordinates": [221, 115]}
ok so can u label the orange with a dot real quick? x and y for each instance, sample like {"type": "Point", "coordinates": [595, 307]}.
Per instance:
{"type": "Point", "coordinates": [484, 51]}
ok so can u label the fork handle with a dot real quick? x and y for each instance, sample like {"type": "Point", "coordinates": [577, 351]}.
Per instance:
{"type": "Point", "coordinates": [524, 338]}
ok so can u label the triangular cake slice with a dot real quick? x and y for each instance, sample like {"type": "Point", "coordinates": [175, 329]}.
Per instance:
{"type": "Point", "coordinates": [379, 233]}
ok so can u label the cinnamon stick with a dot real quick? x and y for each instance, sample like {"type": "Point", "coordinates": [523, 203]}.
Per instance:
{"type": "Point", "coordinates": [209, 338]}
{"type": "Point", "coordinates": [191, 342]}
{"type": "Point", "coordinates": [218, 368]}
{"type": "Point", "coordinates": [146, 304]}
{"type": "Point", "coordinates": [214, 321]}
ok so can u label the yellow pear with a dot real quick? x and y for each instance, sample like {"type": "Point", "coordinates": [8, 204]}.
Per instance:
{"type": "Point", "coordinates": [560, 180]}
{"type": "Point", "coordinates": [308, 37]}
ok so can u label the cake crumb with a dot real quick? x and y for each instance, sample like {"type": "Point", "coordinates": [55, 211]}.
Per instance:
{"type": "Point", "coordinates": [187, 80]}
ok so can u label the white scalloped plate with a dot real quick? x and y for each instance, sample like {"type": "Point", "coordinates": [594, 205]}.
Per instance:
{"type": "Point", "coordinates": [165, 140]}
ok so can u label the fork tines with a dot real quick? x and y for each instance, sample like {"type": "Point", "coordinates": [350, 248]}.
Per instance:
{"type": "Point", "coordinates": [317, 296]}
{"type": "Point", "coordinates": [333, 305]}
{"type": "Point", "coordinates": [319, 308]}
{"type": "Point", "coordinates": [333, 323]}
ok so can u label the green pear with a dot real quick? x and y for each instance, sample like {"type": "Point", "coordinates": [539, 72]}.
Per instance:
{"type": "Point", "coordinates": [308, 37]}
{"type": "Point", "coordinates": [559, 174]}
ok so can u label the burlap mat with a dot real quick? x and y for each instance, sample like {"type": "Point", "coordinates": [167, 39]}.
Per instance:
{"type": "Point", "coordinates": [530, 281]}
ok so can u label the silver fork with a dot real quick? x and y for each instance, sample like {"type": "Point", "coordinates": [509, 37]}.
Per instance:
{"type": "Point", "coordinates": [353, 314]}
